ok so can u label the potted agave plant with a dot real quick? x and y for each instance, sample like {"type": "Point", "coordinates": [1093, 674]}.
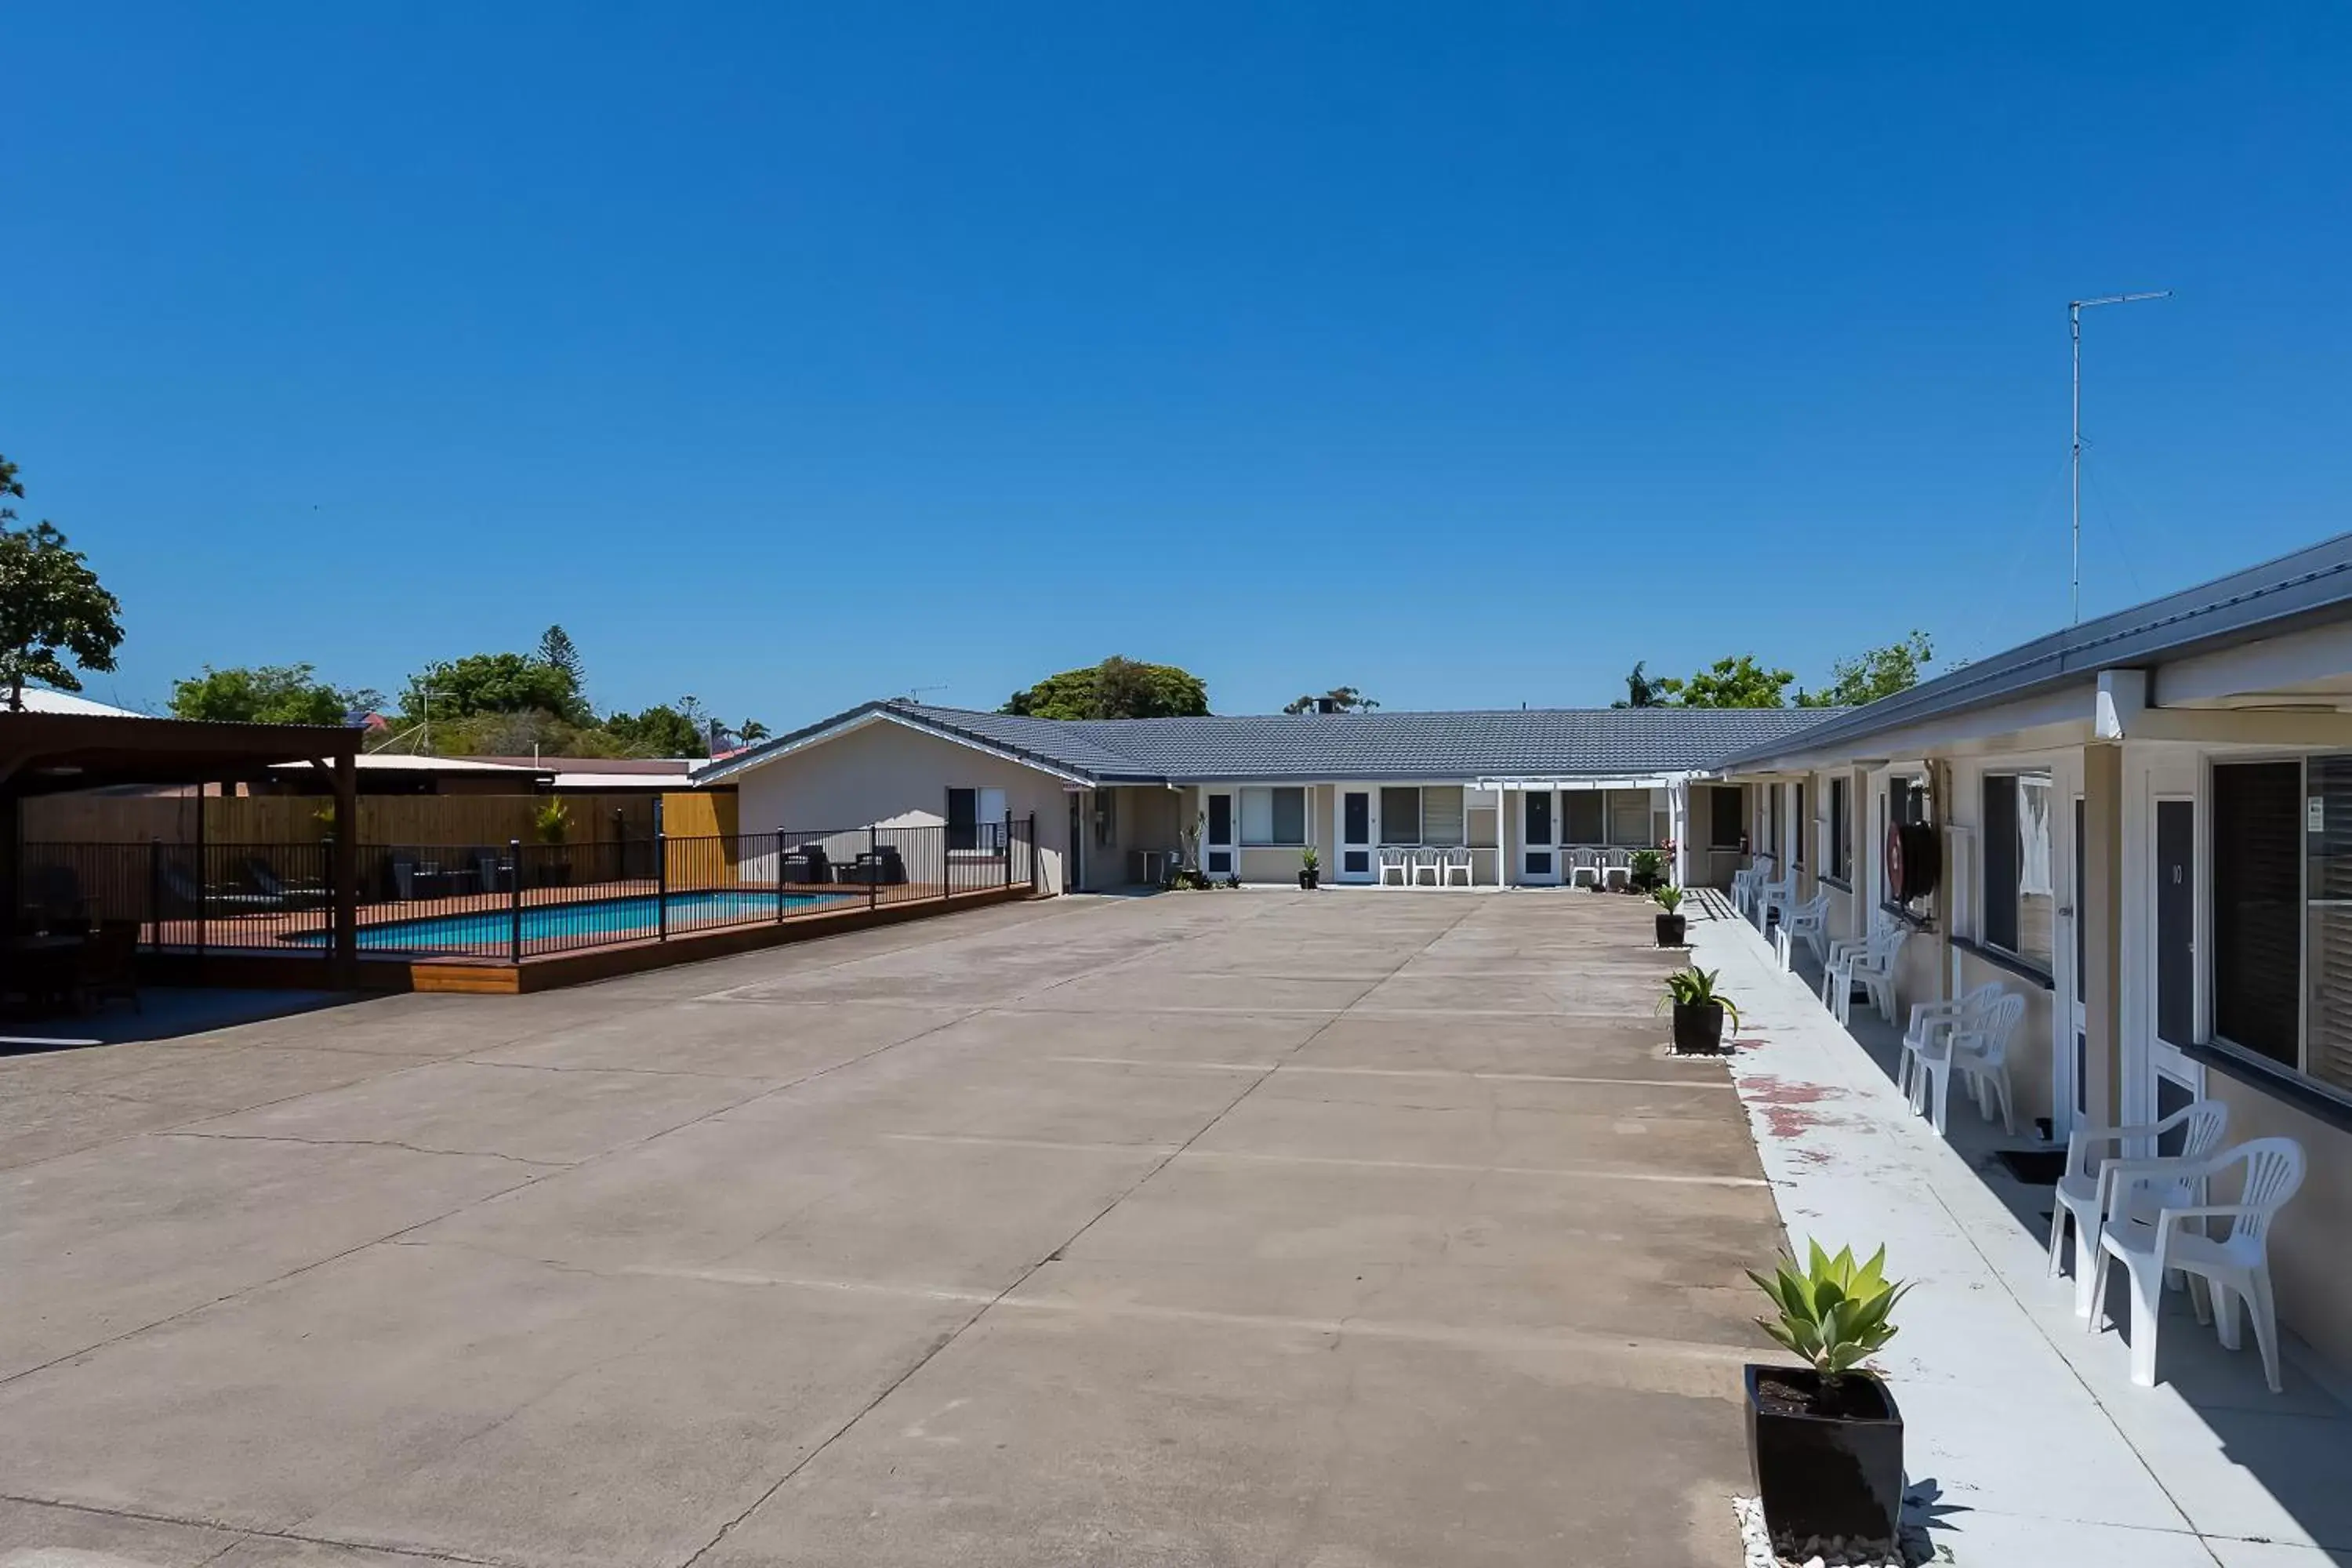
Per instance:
{"type": "Point", "coordinates": [1825, 1439]}
{"type": "Point", "coordinates": [1671, 919]}
{"type": "Point", "coordinates": [1646, 871]}
{"type": "Point", "coordinates": [1699, 1010]}
{"type": "Point", "coordinates": [1310, 869]}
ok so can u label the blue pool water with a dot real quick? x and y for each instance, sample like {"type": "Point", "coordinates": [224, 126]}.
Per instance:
{"type": "Point", "coordinates": [582, 924]}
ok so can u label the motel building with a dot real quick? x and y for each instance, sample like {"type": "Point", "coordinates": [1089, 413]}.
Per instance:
{"type": "Point", "coordinates": [1425, 802]}
{"type": "Point", "coordinates": [2145, 828]}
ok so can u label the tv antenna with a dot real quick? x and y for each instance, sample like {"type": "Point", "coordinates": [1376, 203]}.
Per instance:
{"type": "Point", "coordinates": [2074, 309]}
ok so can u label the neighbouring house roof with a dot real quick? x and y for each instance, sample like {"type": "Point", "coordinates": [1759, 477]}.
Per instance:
{"type": "Point", "coordinates": [405, 762]}
{"type": "Point", "coordinates": [2309, 587]}
{"type": "Point", "coordinates": [670, 767]}
{"type": "Point", "coordinates": [608, 776]}
{"type": "Point", "coordinates": [1509, 744]}
{"type": "Point", "coordinates": [41, 700]}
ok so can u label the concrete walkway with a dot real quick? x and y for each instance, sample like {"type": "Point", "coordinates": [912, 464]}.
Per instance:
{"type": "Point", "coordinates": [2043, 1449]}
{"type": "Point", "coordinates": [1330, 1232]}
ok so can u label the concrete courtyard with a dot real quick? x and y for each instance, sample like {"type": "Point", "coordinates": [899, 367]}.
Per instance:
{"type": "Point", "coordinates": [1336, 1231]}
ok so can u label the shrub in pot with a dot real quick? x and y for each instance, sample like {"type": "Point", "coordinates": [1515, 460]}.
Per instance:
{"type": "Point", "coordinates": [1646, 871]}
{"type": "Point", "coordinates": [1670, 916]}
{"type": "Point", "coordinates": [551, 825]}
{"type": "Point", "coordinates": [1825, 1439]}
{"type": "Point", "coordinates": [1310, 869]}
{"type": "Point", "coordinates": [1698, 1009]}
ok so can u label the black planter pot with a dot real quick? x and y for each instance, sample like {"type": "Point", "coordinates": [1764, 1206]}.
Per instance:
{"type": "Point", "coordinates": [1698, 1027]}
{"type": "Point", "coordinates": [1310, 878]}
{"type": "Point", "coordinates": [1824, 1475]}
{"type": "Point", "coordinates": [1670, 930]}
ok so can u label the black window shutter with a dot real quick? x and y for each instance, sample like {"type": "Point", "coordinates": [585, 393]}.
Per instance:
{"type": "Point", "coordinates": [2258, 907]}
{"type": "Point", "coordinates": [1999, 919]}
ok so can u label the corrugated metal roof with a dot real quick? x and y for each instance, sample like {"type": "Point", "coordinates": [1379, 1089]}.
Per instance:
{"type": "Point", "coordinates": [1605, 742]}
{"type": "Point", "coordinates": [41, 700]}
{"type": "Point", "coordinates": [2310, 585]}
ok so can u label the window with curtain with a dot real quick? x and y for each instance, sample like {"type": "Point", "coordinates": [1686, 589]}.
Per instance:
{"type": "Point", "coordinates": [2019, 913]}
{"type": "Point", "coordinates": [1584, 818]}
{"type": "Point", "coordinates": [975, 819]}
{"type": "Point", "coordinates": [1441, 813]}
{"type": "Point", "coordinates": [1628, 818]}
{"type": "Point", "coordinates": [2327, 979]}
{"type": "Point", "coordinates": [1906, 800]}
{"type": "Point", "coordinates": [2257, 967]}
{"type": "Point", "coordinates": [1804, 823]}
{"type": "Point", "coordinates": [1274, 817]}
{"type": "Point", "coordinates": [1400, 815]}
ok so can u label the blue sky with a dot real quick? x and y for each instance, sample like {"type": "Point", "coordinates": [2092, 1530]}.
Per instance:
{"type": "Point", "coordinates": [791, 356]}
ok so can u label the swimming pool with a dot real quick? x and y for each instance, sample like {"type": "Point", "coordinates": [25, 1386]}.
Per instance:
{"type": "Point", "coordinates": [585, 923]}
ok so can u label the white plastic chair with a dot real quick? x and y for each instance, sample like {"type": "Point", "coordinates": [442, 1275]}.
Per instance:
{"type": "Point", "coordinates": [1981, 1057]}
{"type": "Point", "coordinates": [1932, 1020]}
{"type": "Point", "coordinates": [1581, 860]}
{"type": "Point", "coordinates": [1873, 969]}
{"type": "Point", "coordinates": [1454, 860]}
{"type": "Point", "coordinates": [2235, 1268]}
{"type": "Point", "coordinates": [1616, 863]}
{"type": "Point", "coordinates": [1431, 861]}
{"type": "Point", "coordinates": [1844, 950]}
{"type": "Point", "coordinates": [1743, 887]}
{"type": "Point", "coordinates": [2083, 1192]}
{"type": "Point", "coordinates": [1394, 860]}
{"type": "Point", "coordinates": [1978, 1048]}
{"type": "Point", "coordinates": [1808, 923]}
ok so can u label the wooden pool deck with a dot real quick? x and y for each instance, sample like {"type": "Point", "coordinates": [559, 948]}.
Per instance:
{"type": "Point", "coordinates": [273, 949]}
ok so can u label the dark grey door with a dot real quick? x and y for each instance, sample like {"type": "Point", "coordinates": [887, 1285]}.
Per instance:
{"type": "Point", "coordinates": [2175, 921]}
{"type": "Point", "coordinates": [1356, 833]}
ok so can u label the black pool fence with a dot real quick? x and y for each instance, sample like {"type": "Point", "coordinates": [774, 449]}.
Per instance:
{"type": "Point", "coordinates": [511, 901]}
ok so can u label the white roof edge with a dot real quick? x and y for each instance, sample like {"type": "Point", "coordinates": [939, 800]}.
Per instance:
{"type": "Point", "coordinates": [397, 762]}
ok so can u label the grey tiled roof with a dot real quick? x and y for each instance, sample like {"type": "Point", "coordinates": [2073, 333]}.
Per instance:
{"type": "Point", "coordinates": [1510, 742]}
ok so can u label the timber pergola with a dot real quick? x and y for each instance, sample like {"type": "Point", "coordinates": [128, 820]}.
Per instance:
{"type": "Point", "coordinates": [52, 753]}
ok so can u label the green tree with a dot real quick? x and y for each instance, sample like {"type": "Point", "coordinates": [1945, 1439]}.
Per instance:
{"type": "Point", "coordinates": [52, 609]}
{"type": "Point", "coordinates": [558, 652]}
{"type": "Point", "coordinates": [262, 694]}
{"type": "Point", "coordinates": [492, 683]}
{"type": "Point", "coordinates": [1641, 692]}
{"type": "Point", "coordinates": [1118, 687]}
{"type": "Point", "coordinates": [660, 731]}
{"type": "Point", "coordinates": [1739, 682]}
{"type": "Point", "coordinates": [1342, 699]}
{"type": "Point", "coordinates": [1877, 672]}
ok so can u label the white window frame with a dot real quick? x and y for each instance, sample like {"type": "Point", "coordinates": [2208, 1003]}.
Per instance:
{"type": "Point", "coordinates": [983, 843]}
{"type": "Point", "coordinates": [1420, 817]}
{"type": "Point", "coordinates": [2208, 982]}
{"type": "Point", "coordinates": [1241, 797]}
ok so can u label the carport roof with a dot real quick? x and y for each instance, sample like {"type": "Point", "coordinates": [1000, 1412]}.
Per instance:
{"type": "Point", "coordinates": [1508, 743]}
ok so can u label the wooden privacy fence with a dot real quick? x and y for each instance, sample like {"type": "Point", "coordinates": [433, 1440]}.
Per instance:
{"type": "Point", "coordinates": [462, 819]}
